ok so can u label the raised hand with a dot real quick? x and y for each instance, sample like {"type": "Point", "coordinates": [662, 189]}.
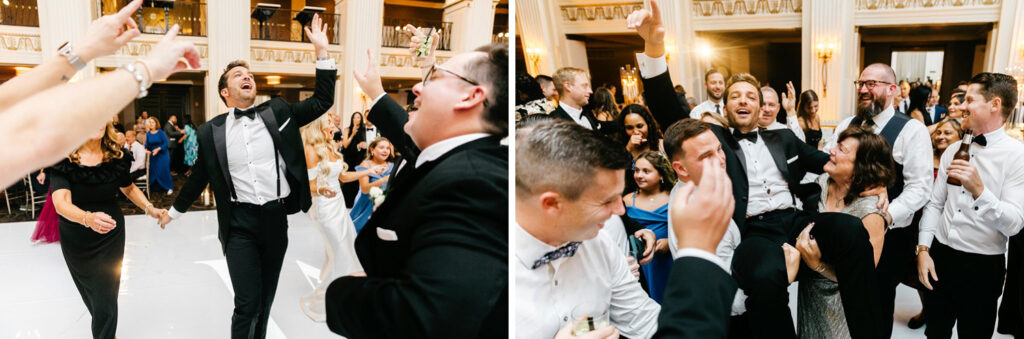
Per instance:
{"type": "Point", "coordinates": [318, 36]}
{"type": "Point", "coordinates": [968, 176]}
{"type": "Point", "coordinates": [369, 81]}
{"type": "Point", "coordinates": [109, 33]}
{"type": "Point", "coordinates": [649, 26]}
{"type": "Point", "coordinates": [379, 169]}
{"type": "Point", "coordinates": [99, 222]}
{"type": "Point", "coordinates": [789, 99]}
{"type": "Point", "coordinates": [41, 177]}
{"type": "Point", "coordinates": [170, 56]}
{"type": "Point", "coordinates": [426, 59]}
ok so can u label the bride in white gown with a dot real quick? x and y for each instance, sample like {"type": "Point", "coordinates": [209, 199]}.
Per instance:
{"type": "Point", "coordinates": [327, 171]}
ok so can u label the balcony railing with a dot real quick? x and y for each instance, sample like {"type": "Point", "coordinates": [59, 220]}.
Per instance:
{"type": "Point", "coordinates": [284, 25]}
{"type": "Point", "coordinates": [395, 36]}
{"type": "Point", "coordinates": [156, 16]}
{"type": "Point", "coordinates": [19, 13]}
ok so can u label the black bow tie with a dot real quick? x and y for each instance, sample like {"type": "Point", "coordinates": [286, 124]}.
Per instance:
{"type": "Point", "coordinates": [250, 113]}
{"type": "Point", "coordinates": [980, 140]}
{"type": "Point", "coordinates": [752, 136]}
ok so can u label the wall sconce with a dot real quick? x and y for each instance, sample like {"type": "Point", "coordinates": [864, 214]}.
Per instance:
{"type": "Point", "coordinates": [533, 55]}
{"type": "Point", "coordinates": [824, 52]}
{"type": "Point", "coordinates": [630, 84]}
{"type": "Point", "coordinates": [273, 80]}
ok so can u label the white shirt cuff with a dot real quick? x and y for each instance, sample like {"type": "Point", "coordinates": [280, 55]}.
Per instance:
{"type": "Point", "coordinates": [650, 67]}
{"type": "Point", "coordinates": [985, 200]}
{"type": "Point", "coordinates": [699, 253]}
{"type": "Point", "coordinates": [325, 64]}
{"type": "Point", "coordinates": [925, 238]}
{"type": "Point", "coordinates": [173, 213]}
{"type": "Point", "coordinates": [375, 100]}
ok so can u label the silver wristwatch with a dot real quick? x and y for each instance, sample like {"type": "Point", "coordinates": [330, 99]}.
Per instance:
{"type": "Point", "coordinates": [75, 61]}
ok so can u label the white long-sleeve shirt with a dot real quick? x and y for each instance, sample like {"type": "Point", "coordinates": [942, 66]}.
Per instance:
{"type": "Point", "coordinates": [983, 225]}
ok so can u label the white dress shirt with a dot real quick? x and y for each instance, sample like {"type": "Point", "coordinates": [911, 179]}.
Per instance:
{"type": "Point", "coordinates": [767, 190]}
{"type": "Point", "coordinates": [371, 134]}
{"type": "Point", "coordinates": [441, 147]}
{"type": "Point", "coordinates": [724, 251]}
{"type": "Point", "coordinates": [913, 150]}
{"type": "Point", "coordinates": [708, 106]}
{"type": "Point", "coordinates": [596, 275]}
{"type": "Point", "coordinates": [983, 225]}
{"type": "Point", "coordinates": [138, 156]}
{"type": "Point", "coordinates": [792, 124]}
{"type": "Point", "coordinates": [576, 115]}
{"type": "Point", "coordinates": [904, 105]}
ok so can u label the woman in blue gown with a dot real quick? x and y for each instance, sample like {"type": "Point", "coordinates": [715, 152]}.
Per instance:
{"type": "Point", "coordinates": [159, 160]}
{"type": "Point", "coordinates": [648, 206]}
{"type": "Point", "coordinates": [380, 152]}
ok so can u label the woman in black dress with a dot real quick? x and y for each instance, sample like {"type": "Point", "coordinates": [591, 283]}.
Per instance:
{"type": "Point", "coordinates": [353, 145]}
{"type": "Point", "coordinates": [85, 187]}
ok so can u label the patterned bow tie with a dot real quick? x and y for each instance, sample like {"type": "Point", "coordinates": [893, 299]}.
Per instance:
{"type": "Point", "coordinates": [250, 113]}
{"type": "Point", "coordinates": [565, 251]}
{"type": "Point", "coordinates": [980, 140]}
{"type": "Point", "coordinates": [752, 136]}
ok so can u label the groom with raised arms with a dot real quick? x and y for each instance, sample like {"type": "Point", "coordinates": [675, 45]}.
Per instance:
{"type": "Point", "coordinates": [252, 158]}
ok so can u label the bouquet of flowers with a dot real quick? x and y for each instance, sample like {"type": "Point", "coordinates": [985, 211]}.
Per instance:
{"type": "Point", "coordinates": [377, 196]}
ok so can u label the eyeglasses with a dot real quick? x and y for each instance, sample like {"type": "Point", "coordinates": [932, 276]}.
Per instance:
{"type": "Point", "coordinates": [430, 73]}
{"type": "Point", "coordinates": [869, 83]}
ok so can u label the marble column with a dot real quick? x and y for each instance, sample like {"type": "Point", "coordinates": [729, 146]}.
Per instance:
{"type": "Point", "coordinates": [361, 21]}
{"type": "Point", "coordinates": [684, 64]}
{"type": "Point", "coordinates": [65, 20]}
{"type": "Point", "coordinates": [1007, 43]}
{"type": "Point", "coordinates": [537, 22]}
{"type": "Point", "coordinates": [229, 40]}
{"type": "Point", "coordinates": [828, 23]}
{"type": "Point", "coordinates": [472, 22]}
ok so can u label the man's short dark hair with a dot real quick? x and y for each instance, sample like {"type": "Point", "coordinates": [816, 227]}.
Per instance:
{"type": "Point", "coordinates": [541, 79]}
{"type": "Point", "coordinates": [492, 71]}
{"type": "Point", "coordinates": [679, 132]}
{"type": "Point", "coordinates": [710, 72]}
{"type": "Point", "coordinates": [223, 82]}
{"type": "Point", "coordinates": [998, 85]}
{"type": "Point", "coordinates": [561, 156]}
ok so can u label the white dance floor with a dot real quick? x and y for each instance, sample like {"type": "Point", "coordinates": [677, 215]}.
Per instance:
{"type": "Point", "coordinates": [174, 284]}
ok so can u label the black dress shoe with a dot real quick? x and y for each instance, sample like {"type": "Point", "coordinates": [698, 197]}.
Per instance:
{"type": "Point", "coordinates": [916, 322]}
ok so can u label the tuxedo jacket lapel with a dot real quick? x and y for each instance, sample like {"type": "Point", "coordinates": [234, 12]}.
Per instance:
{"type": "Point", "coordinates": [778, 151]}
{"type": "Point", "coordinates": [267, 114]}
{"type": "Point", "coordinates": [221, 151]}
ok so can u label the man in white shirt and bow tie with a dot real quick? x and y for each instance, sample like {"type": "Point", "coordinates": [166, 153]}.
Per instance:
{"type": "Point", "coordinates": [964, 229]}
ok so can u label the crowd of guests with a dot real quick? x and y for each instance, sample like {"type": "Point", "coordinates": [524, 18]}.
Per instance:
{"type": "Point", "coordinates": [850, 216]}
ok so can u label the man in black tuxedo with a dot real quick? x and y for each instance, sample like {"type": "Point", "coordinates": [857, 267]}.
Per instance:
{"type": "Point", "coordinates": [765, 167]}
{"type": "Point", "coordinates": [573, 87]}
{"type": "Point", "coordinates": [252, 158]}
{"type": "Point", "coordinates": [436, 250]}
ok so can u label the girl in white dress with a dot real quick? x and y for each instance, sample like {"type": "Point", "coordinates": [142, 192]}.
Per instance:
{"type": "Point", "coordinates": [327, 170]}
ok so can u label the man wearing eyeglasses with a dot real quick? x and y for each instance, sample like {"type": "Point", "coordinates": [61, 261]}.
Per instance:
{"type": "Point", "coordinates": [911, 148]}
{"type": "Point", "coordinates": [436, 250]}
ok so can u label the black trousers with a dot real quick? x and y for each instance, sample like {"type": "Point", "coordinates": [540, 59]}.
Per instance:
{"type": "Point", "coordinates": [966, 293]}
{"type": "Point", "coordinates": [897, 257]}
{"type": "Point", "coordinates": [1011, 319]}
{"type": "Point", "coordinates": [255, 251]}
{"type": "Point", "coordinates": [759, 267]}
